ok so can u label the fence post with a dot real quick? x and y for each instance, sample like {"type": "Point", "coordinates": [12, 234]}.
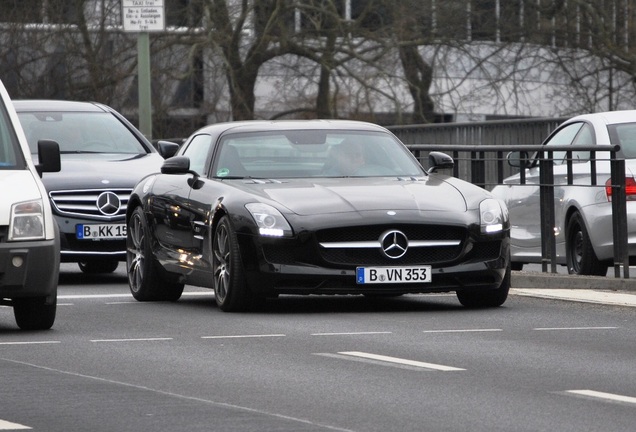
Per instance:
{"type": "Point", "coordinates": [619, 219]}
{"type": "Point", "coordinates": [546, 196]}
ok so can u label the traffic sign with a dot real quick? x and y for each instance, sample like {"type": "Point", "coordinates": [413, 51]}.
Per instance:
{"type": "Point", "coordinates": [143, 15]}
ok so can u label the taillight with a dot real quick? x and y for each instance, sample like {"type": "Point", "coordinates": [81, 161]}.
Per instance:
{"type": "Point", "coordinates": [630, 189]}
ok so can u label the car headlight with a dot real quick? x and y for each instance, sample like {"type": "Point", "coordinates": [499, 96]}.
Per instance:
{"type": "Point", "coordinates": [27, 221]}
{"type": "Point", "coordinates": [492, 215]}
{"type": "Point", "coordinates": [270, 221]}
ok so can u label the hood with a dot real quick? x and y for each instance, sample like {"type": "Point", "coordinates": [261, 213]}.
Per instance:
{"type": "Point", "coordinates": [17, 186]}
{"type": "Point", "coordinates": [99, 170]}
{"type": "Point", "coordinates": [326, 196]}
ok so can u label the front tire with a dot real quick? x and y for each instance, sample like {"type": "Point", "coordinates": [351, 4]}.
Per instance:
{"type": "Point", "coordinates": [34, 313]}
{"type": "Point", "coordinates": [230, 288]}
{"type": "Point", "coordinates": [96, 267]}
{"type": "Point", "coordinates": [580, 255]}
{"type": "Point", "coordinates": [146, 281]}
{"type": "Point", "coordinates": [486, 298]}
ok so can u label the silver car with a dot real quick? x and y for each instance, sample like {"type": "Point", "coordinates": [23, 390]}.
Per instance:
{"type": "Point", "coordinates": [583, 213]}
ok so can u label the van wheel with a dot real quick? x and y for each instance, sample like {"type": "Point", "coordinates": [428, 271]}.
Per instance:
{"type": "Point", "coordinates": [34, 313]}
{"type": "Point", "coordinates": [147, 282]}
{"type": "Point", "coordinates": [486, 298]}
{"type": "Point", "coordinates": [580, 255]}
{"type": "Point", "coordinates": [94, 267]}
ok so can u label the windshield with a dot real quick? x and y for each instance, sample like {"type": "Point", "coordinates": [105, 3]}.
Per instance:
{"type": "Point", "coordinates": [10, 154]}
{"type": "Point", "coordinates": [80, 132]}
{"type": "Point", "coordinates": [313, 153]}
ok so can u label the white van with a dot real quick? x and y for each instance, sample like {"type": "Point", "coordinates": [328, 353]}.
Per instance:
{"type": "Point", "coordinates": [29, 238]}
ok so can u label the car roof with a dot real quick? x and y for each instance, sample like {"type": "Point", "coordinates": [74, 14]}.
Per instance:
{"type": "Point", "coordinates": [22, 105]}
{"type": "Point", "coordinates": [608, 117]}
{"type": "Point", "coordinates": [273, 125]}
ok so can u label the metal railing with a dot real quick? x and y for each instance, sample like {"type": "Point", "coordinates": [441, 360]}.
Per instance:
{"type": "Point", "coordinates": [486, 166]}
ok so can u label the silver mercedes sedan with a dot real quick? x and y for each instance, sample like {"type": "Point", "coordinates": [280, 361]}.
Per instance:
{"type": "Point", "coordinates": [583, 213]}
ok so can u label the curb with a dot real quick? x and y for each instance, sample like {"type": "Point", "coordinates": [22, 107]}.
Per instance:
{"type": "Point", "coordinates": [535, 280]}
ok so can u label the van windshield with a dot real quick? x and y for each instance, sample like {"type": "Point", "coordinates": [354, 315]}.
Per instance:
{"type": "Point", "coordinates": [10, 154]}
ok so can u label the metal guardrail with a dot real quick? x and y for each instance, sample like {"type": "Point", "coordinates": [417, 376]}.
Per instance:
{"type": "Point", "coordinates": [476, 166]}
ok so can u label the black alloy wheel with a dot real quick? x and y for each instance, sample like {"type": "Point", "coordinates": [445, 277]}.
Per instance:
{"type": "Point", "coordinates": [476, 299]}
{"type": "Point", "coordinates": [146, 280]}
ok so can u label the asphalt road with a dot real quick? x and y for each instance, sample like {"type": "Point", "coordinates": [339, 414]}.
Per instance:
{"type": "Point", "coordinates": [414, 363]}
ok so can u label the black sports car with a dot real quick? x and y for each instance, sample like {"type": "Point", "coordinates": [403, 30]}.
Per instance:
{"type": "Point", "coordinates": [257, 209]}
{"type": "Point", "coordinates": [103, 157]}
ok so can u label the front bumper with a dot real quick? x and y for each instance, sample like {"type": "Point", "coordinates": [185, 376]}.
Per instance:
{"type": "Point", "coordinates": [477, 271]}
{"type": "Point", "coordinates": [74, 250]}
{"type": "Point", "coordinates": [29, 269]}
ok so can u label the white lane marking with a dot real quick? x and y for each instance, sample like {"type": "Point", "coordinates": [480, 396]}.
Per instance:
{"type": "Point", "coordinates": [242, 336]}
{"type": "Point", "coordinates": [400, 361]}
{"type": "Point", "coordinates": [89, 296]}
{"type": "Point", "coordinates": [350, 333]}
{"type": "Point", "coordinates": [133, 340]}
{"type": "Point", "coordinates": [97, 296]}
{"type": "Point", "coordinates": [30, 343]}
{"type": "Point", "coordinates": [573, 328]}
{"type": "Point", "coordinates": [122, 302]}
{"type": "Point", "coordinates": [186, 397]}
{"type": "Point", "coordinates": [462, 331]}
{"type": "Point", "coordinates": [604, 396]}
{"type": "Point", "coordinates": [6, 425]}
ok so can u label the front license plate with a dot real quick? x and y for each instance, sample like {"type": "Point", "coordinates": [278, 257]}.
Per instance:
{"type": "Point", "coordinates": [384, 275]}
{"type": "Point", "coordinates": [100, 231]}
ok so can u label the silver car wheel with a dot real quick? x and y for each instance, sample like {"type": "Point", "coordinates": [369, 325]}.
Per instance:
{"type": "Point", "coordinates": [230, 289]}
{"type": "Point", "coordinates": [134, 253]}
{"type": "Point", "coordinates": [221, 257]}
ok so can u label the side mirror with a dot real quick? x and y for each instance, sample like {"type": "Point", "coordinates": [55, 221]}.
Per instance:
{"type": "Point", "coordinates": [48, 157]}
{"type": "Point", "coordinates": [439, 160]}
{"type": "Point", "coordinates": [176, 165]}
{"type": "Point", "coordinates": [518, 159]}
{"type": "Point", "coordinates": [167, 149]}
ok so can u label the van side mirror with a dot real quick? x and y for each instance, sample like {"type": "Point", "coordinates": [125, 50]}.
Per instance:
{"type": "Point", "coordinates": [48, 157]}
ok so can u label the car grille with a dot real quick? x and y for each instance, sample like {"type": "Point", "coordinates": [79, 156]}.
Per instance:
{"type": "Point", "coordinates": [413, 232]}
{"type": "Point", "coordinates": [84, 203]}
{"type": "Point", "coordinates": [4, 232]}
{"type": "Point", "coordinates": [348, 256]}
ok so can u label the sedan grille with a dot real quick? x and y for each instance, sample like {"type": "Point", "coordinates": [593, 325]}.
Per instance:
{"type": "Point", "coordinates": [100, 204]}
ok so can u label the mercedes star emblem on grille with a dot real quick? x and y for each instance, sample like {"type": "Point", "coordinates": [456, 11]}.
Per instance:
{"type": "Point", "coordinates": [108, 203]}
{"type": "Point", "coordinates": [394, 244]}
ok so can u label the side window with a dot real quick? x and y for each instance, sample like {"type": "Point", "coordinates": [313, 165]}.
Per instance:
{"type": "Point", "coordinates": [563, 137]}
{"type": "Point", "coordinates": [584, 138]}
{"type": "Point", "coordinates": [197, 151]}
{"type": "Point", "coordinates": [625, 135]}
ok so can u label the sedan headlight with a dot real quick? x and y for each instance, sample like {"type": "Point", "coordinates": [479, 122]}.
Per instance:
{"type": "Point", "coordinates": [492, 215]}
{"type": "Point", "coordinates": [269, 220]}
{"type": "Point", "coordinates": [27, 221]}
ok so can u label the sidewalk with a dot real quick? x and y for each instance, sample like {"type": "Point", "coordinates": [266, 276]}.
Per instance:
{"type": "Point", "coordinates": [589, 289]}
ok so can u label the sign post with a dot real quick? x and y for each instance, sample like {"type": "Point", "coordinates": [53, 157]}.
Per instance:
{"type": "Point", "coordinates": [144, 16]}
